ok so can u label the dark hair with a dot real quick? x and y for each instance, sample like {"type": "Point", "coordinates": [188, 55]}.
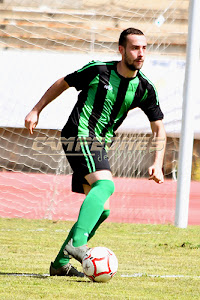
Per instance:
{"type": "Point", "coordinates": [123, 35]}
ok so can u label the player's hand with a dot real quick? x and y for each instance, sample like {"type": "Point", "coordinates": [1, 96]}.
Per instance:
{"type": "Point", "coordinates": [31, 121]}
{"type": "Point", "coordinates": [156, 174]}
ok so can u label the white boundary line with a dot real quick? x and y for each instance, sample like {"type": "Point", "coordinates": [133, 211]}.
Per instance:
{"type": "Point", "coordinates": [157, 276]}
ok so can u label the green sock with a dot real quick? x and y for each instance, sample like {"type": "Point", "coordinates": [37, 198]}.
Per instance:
{"type": "Point", "coordinates": [62, 259]}
{"type": "Point", "coordinates": [91, 210]}
{"type": "Point", "coordinates": [105, 214]}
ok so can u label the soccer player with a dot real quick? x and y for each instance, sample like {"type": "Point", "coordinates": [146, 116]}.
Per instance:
{"type": "Point", "coordinates": [108, 91]}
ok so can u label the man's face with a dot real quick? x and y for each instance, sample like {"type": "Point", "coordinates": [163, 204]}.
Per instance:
{"type": "Point", "coordinates": [133, 54]}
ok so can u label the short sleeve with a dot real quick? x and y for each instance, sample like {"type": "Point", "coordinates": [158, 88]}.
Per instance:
{"type": "Point", "coordinates": [150, 105]}
{"type": "Point", "coordinates": [81, 78]}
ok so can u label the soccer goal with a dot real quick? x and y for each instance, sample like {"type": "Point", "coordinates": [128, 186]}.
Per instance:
{"type": "Point", "coordinates": [41, 41]}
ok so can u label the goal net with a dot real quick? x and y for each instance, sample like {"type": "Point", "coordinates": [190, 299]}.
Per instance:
{"type": "Point", "coordinates": [41, 41]}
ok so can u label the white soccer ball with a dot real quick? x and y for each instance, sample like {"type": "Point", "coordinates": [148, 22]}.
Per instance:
{"type": "Point", "coordinates": [100, 264]}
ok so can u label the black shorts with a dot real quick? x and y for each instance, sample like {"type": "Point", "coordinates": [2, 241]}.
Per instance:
{"type": "Point", "coordinates": [85, 155]}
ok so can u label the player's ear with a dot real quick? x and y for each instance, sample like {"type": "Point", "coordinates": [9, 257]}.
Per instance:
{"type": "Point", "coordinates": [121, 50]}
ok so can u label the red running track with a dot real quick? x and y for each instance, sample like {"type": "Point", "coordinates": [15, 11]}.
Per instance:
{"type": "Point", "coordinates": [38, 196]}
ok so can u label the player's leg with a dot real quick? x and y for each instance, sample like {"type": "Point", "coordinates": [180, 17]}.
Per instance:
{"type": "Point", "coordinates": [102, 188]}
{"type": "Point", "coordinates": [61, 259]}
{"type": "Point", "coordinates": [91, 210]}
{"type": "Point", "coordinates": [105, 214]}
{"type": "Point", "coordinates": [61, 265]}
{"type": "Point", "coordinates": [94, 166]}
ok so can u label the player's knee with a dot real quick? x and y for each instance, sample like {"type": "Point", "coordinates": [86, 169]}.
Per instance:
{"type": "Point", "coordinates": [110, 186]}
{"type": "Point", "coordinates": [104, 186]}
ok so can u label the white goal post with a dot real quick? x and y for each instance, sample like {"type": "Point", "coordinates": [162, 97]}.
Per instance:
{"type": "Point", "coordinates": [190, 95]}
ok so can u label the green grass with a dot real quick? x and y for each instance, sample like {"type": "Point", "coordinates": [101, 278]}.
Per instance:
{"type": "Point", "coordinates": [28, 246]}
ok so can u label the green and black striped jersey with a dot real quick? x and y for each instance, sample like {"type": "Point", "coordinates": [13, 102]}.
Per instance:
{"type": "Point", "coordinates": [105, 99]}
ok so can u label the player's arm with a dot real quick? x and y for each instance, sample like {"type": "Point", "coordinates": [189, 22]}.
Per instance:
{"type": "Point", "coordinates": [158, 146]}
{"type": "Point", "coordinates": [52, 93]}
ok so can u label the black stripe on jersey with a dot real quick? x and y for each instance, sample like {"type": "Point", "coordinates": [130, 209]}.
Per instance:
{"type": "Point", "coordinates": [118, 103]}
{"type": "Point", "coordinates": [146, 99]}
{"type": "Point", "coordinates": [139, 94]}
{"type": "Point", "coordinates": [99, 100]}
{"type": "Point", "coordinates": [71, 127]}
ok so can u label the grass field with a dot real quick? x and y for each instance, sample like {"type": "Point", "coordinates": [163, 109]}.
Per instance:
{"type": "Point", "coordinates": [155, 262]}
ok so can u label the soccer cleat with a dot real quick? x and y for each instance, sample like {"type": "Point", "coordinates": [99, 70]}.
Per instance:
{"type": "Point", "coordinates": [66, 270]}
{"type": "Point", "coordinates": [76, 252]}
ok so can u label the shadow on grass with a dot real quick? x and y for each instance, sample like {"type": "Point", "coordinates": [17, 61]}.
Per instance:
{"type": "Point", "coordinates": [42, 276]}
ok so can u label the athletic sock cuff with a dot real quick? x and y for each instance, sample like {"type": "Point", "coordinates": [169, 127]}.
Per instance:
{"type": "Point", "coordinates": [107, 186]}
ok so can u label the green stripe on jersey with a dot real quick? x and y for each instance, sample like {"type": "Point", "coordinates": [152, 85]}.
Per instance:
{"type": "Point", "coordinates": [109, 102]}
{"type": "Point", "coordinates": [145, 96]}
{"type": "Point", "coordinates": [128, 100]}
{"type": "Point", "coordinates": [83, 129]}
{"type": "Point", "coordinates": [96, 63]}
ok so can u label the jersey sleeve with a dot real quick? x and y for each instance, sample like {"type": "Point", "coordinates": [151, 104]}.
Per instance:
{"type": "Point", "coordinates": [81, 78]}
{"type": "Point", "coordinates": [150, 105]}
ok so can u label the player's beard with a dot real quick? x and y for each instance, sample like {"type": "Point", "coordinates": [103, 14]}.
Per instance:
{"type": "Point", "coordinates": [131, 65]}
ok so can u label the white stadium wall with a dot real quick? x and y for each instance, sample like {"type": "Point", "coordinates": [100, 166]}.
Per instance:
{"type": "Point", "coordinates": [29, 74]}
